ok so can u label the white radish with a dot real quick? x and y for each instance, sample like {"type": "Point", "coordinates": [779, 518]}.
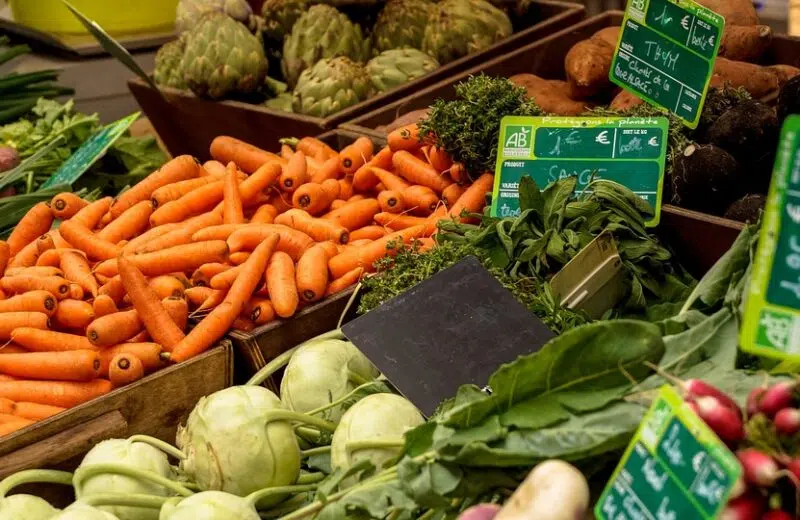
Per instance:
{"type": "Point", "coordinates": [554, 490]}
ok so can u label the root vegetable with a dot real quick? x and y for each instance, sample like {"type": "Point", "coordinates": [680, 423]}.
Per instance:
{"type": "Point", "coordinates": [759, 81]}
{"type": "Point", "coordinates": [480, 512]}
{"type": "Point", "coordinates": [625, 100]}
{"type": "Point", "coordinates": [777, 514]}
{"type": "Point", "coordinates": [698, 388]}
{"type": "Point", "coordinates": [554, 490]}
{"type": "Point", "coordinates": [789, 99]}
{"type": "Point", "coordinates": [725, 421]}
{"type": "Point", "coordinates": [747, 209]}
{"type": "Point", "coordinates": [784, 72]}
{"type": "Point", "coordinates": [736, 12]}
{"type": "Point", "coordinates": [745, 42]}
{"type": "Point", "coordinates": [747, 507]}
{"type": "Point", "coordinates": [754, 399]}
{"type": "Point", "coordinates": [705, 178]}
{"type": "Point", "coordinates": [777, 397]}
{"type": "Point", "coordinates": [787, 421]}
{"type": "Point", "coordinates": [550, 95]}
{"type": "Point", "coordinates": [587, 65]}
{"type": "Point", "coordinates": [759, 468]}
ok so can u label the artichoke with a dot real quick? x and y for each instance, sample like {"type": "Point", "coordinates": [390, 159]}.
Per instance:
{"type": "Point", "coordinates": [461, 27]}
{"type": "Point", "coordinates": [283, 102]}
{"type": "Point", "coordinates": [223, 58]}
{"type": "Point", "coordinates": [321, 32]}
{"type": "Point", "coordinates": [169, 64]}
{"type": "Point", "coordinates": [392, 68]}
{"type": "Point", "coordinates": [401, 23]}
{"type": "Point", "coordinates": [190, 12]}
{"type": "Point", "coordinates": [331, 85]}
{"type": "Point", "coordinates": [280, 16]}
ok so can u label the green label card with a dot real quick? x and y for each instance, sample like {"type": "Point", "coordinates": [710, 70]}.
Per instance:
{"type": "Point", "coordinates": [627, 150]}
{"type": "Point", "coordinates": [771, 324]}
{"type": "Point", "coordinates": [666, 54]}
{"type": "Point", "coordinates": [90, 151]}
{"type": "Point", "coordinates": [674, 468]}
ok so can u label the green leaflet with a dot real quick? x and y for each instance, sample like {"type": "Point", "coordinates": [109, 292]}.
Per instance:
{"type": "Point", "coordinates": [372, 502]}
{"type": "Point", "coordinates": [530, 198]}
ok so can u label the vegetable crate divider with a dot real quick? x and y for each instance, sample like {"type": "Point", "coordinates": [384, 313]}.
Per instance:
{"type": "Point", "coordinates": [188, 124]}
{"type": "Point", "coordinates": [154, 405]}
{"type": "Point", "coordinates": [698, 239]}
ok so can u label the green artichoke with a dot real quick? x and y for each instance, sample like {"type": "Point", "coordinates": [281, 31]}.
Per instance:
{"type": "Point", "coordinates": [321, 32]}
{"type": "Point", "coordinates": [283, 102]}
{"type": "Point", "coordinates": [280, 16]}
{"type": "Point", "coordinates": [392, 68]}
{"type": "Point", "coordinates": [169, 64]}
{"type": "Point", "coordinates": [190, 12]}
{"type": "Point", "coordinates": [331, 85]}
{"type": "Point", "coordinates": [222, 58]}
{"type": "Point", "coordinates": [461, 27]}
{"type": "Point", "coordinates": [401, 23]}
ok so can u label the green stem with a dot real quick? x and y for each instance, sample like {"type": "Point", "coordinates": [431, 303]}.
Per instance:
{"type": "Point", "coordinates": [288, 415]}
{"type": "Point", "coordinates": [125, 500]}
{"type": "Point", "coordinates": [337, 402]}
{"type": "Point", "coordinates": [309, 435]}
{"type": "Point", "coordinates": [34, 476]}
{"type": "Point", "coordinates": [311, 478]}
{"type": "Point", "coordinates": [167, 448]}
{"type": "Point", "coordinates": [285, 507]}
{"type": "Point", "coordinates": [86, 472]}
{"type": "Point", "coordinates": [272, 367]}
{"type": "Point", "coordinates": [427, 515]}
{"type": "Point", "coordinates": [257, 496]}
{"type": "Point", "coordinates": [315, 451]}
{"type": "Point", "coordinates": [368, 444]}
{"type": "Point", "coordinates": [356, 378]}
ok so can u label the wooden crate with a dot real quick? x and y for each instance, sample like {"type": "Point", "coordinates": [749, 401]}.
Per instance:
{"type": "Point", "coordinates": [188, 124]}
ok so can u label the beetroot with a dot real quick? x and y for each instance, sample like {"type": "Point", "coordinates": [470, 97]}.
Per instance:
{"type": "Point", "coordinates": [725, 422]}
{"type": "Point", "coordinates": [759, 468]}
{"type": "Point", "coordinates": [787, 421]}
{"type": "Point", "coordinates": [754, 398]}
{"type": "Point", "coordinates": [747, 507]}
{"type": "Point", "coordinates": [777, 397]}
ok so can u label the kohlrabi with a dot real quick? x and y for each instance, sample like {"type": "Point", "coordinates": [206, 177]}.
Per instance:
{"type": "Point", "coordinates": [373, 429]}
{"type": "Point", "coordinates": [81, 511]}
{"type": "Point", "coordinates": [29, 507]}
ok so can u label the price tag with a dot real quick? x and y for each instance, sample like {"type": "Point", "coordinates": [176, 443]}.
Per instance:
{"type": "Point", "coordinates": [628, 150]}
{"type": "Point", "coordinates": [666, 54]}
{"type": "Point", "coordinates": [675, 467]}
{"type": "Point", "coordinates": [771, 324]}
{"type": "Point", "coordinates": [90, 151]}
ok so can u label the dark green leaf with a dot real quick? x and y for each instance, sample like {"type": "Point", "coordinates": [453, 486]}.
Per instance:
{"type": "Point", "coordinates": [530, 197]}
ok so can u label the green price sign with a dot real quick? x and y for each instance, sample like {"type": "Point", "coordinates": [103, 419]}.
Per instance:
{"type": "Point", "coordinates": [90, 151]}
{"type": "Point", "coordinates": [627, 150]}
{"type": "Point", "coordinates": [675, 467]}
{"type": "Point", "coordinates": [771, 324]}
{"type": "Point", "coordinates": [666, 54]}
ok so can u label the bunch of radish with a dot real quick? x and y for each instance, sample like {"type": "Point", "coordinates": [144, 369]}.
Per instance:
{"type": "Point", "coordinates": [763, 437]}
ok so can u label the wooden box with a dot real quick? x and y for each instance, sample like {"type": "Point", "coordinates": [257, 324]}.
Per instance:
{"type": "Point", "coordinates": [188, 124]}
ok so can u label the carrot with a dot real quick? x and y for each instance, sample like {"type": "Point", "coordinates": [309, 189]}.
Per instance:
{"type": "Point", "coordinates": [31, 301]}
{"type": "Point", "coordinates": [316, 198]}
{"type": "Point", "coordinates": [198, 294]}
{"type": "Point", "coordinates": [5, 255]}
{"type": "Point", "coordinates": [196, 202]}
{"type": "Point", "coordinates": [178, 310]}
{"type": "Point", "coordinates": [417, 171]}
{"type": "Point", "coordinates": [66, 204]}
{"type": "Point", "coordinates": [452, 193]}
{"type": "Point", "coordinates": [219, 232]}
{"type": "Point", "coordinates": [181, 258]}
{"type": "Point", "coordinates": [178, 189]}
{"type": "Point", "coordinates": [368, 232]}
{"type": "Point", "coordinates": [148, 353]}
{"type": "Point", "coordinates": [458, 173]}
{"type": "Point", "coordinates": [10, 348]}
{"type": "Point", "coordinates": [355, 155]}
{"type": "Point", "coordinates": [292, 241]}
{"type": "Point", "coordinates": [366, 256]}
{"type": "Point", "coordinates": [37, 340]}
{"type": "Point", "coordinates": [421, 199]}
{"type": "Point", "coordinates": [49, 258]}
{"type": "Point", "coordinates": [37, 270]}
{"type": "Point", "coordinates": [391, 201]}
{"type": "Point", "coordinates": [83, 239]}
{"type": "Point", "coordinates": [178, 169]}
{"type": "Point", "coordinates": [348, 279]}
{"type": "Point", "coordinates": [76, 291]}
{"type": "Point", "coordinates": [76, 270]}
{"type": "Point", "coordinates": [313, 147]}
{"type": "Point", "coordinates": [238, 258]}
{"type": "Point", "coordinates": [294, 174]}
{"type": "Point", "coordinates": [125, 369]}
{"type": "Point", "coordinates": [439, 159]}
{"type": "Point", "coordinates": [254, 186]}
{"type": "Point", "coordinates": [281, 285]}
{"type": "Point", "coordinates": [36, 222]}
{"type": "Point", "coordinates": [115, 328]}
{"type": "Point", "coordinates": [182, 234]}
{"type": "Point", "coordinates": [404, 138]}
{"type": "Point", "coordinates": [286, 151]}
{"type": "Point", "coordinates": [7, 406]}
{"type": "Point", "coordinates": [312, 273]}
{"type": "Point", "coordinates": [232, 212]}
{"type": "Point", "coordinates": [246, 156]}
{"type": "Point", "coordinates": [390, 180]}
{"type": "Point", "coordinates": [203, 274]}
{"type": "Point", "coordinates": [36, 411]}
{"type": "Point", "coordinates": [130, 223]}
{"type": "Point", "coordinates": [8, 428]}
{"type": "Point", "coordinates": [259, 311]}
{"type": "Point", "coordinates": [147, 303]}
{"type": "Point", "coordinates": [338, 203]}
{"type": "Point", "coordinates": [73, 365]}
{"type": "Point", "coordinates": [103, 304]}
{"type": "Point", "coordinates": [425, 244]}
{"type": "Point", "coordinates": [55, 285]}
{"type": "Point", "coordinates": [354, 215]}
{"type": "Point", "coordinates": [26, 257]}
{"type": "Point", "coordinates": [398, 222]}
{"type": "Point", "coordinates": [214, 169]}
{"type": "Point", "coordinates": [153, 233]}
{"type": "Point", "coordinates": [364, 178]}
{"type": "Point", "coordinates": [166, 286]}
{"type": "Point", "coordinates": [90, 215]}
{"type": "Point", "coordinates": [65, 394]}
{"type": "Point", "coordinates": [214, 326]}
{"type": "Point", "coordinates": [474, 198]}
{"type": "Point", "coordinates": [213, 300]}
{"type": "Point", "coordinates": [113, 288]}
{"type": "Point", "coordinates": [265, 214]}
{"type": "Point", "coordinates": [330, 169]}
{"type": "Point", "coordinates": [280, 201]}
{"type": "Point", "coordinates": [318, 229]}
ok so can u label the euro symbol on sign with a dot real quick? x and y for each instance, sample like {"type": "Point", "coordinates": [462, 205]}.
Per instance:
{"type": "Point", "coordinates": [685, 22]}
{"type": "Point", "coordinates": [603, 137]}
{"type": "Point", "coordinates": [653, 141]}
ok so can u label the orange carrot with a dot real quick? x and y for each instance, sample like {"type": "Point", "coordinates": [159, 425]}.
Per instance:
{"type": "Point", "coordinates": [330, 169]}
{"type": "Point", "coordinates": [368, 232]}
{"type": "Point", "coordinates": [294, 174]}
{"type": "Point", "coordinates": [115, 328]}
{"type": "Point", "coordinates": [49, 258]}
{"type": "Point", "coordinates": [7, 406]}
{"type": "Point", "coordinates": [89, 216]}
{"type": "Point", "coordinates": [281, 285]}
{"type": "Point", "coordinates": [424, 244]}
{"type": "Point", "coordinates": [66, 204]}
{"type": "Point", "coordinates": [474, 198]}
{"type": "Point", "coordinates": [26, 257]}
{"type": "Point", "coordinates": [182, 234]}
{"type": "Point", "coordinates": [74, 314]}
{"type": "Point", "coordinates": [366, 256]}
{"type": "Point", "coordinates": [286, 151]}
{"type": "Point", "coordinates": [398, 222]}
{"type": "Point", "coordinates": [178, 310]}
{"type": "Point", "coordinates": [214, 169]}
{"type": "Point", "coordinates": [32, 301]}
{"type": "Point", "coordinates": [265, 214]}
{"type": "Point", "coordinates": [37, 270]}
{"type": "Point", "coordinates": [354, 215]}
{"type": "Point", "coordinates": [202, 275]}
{"type": "Point", "coordinates": [439, 159]}
{"type": "Point", "coordinates": [292, 241]}
{"type": "Point", "coordinates": [5, 255]}
{"type": "Point", "coordinates": [38, 340]}
{"type": "Point", "coordinates": [338, 203]}
{"type": "Point", "coordinates": [45, 243]}
{"type": "Point", "coordinates": [153, 233]}
{"type": "Point", "coordinates": [364, 178]}
{"type": "Point", "coordinates": [452, 193]}
{"type": "Point", "coordinates": [390, 180]}
{"type": "Point", "coordinates": [148, 353]}
{"type": "Point", "coordinates": [238, 258]}
{"type": "Point", "coordinates": [166, 286]}
{"type": "Point", "coordinates": [404, 138]}
{"type": "Point", "coordinates": [223, 281]}
{"type": "Point", "coordinates": [198, 294]}
{"type": "Point", "coordinates": [259, 311]}
{"type": "Point", "coordinates": [213, 300]}
{"type": "Point", "coordinates": [76, 270]}
{"type": "Point", "coordinates": [10, 348]}
{"type": "Point", "coordinates": [391, 201]}
{"type": "Point", "coordinates": [220, 232]}
{"type": "Point", "coordinates": [73, 365]}
{"type": "Point", "coordinates": [178, 189]}
{"type": "Point", "coordinates": [255, 185]}
{"type": "Point", "coordinates": [312, 273]}
{"type": "Point", "coordinates": [316, 198]}
{"type": "Point", "coordinates": [35, 223]}
{"type": "Point", "coordinates": [232, 212]}
{"type": "Point", "coordinates": [458, 173]}
{"type": "Point", "coordinates": [417, 171]}
{"type": "Point", "coordinates": [113, 288]}
{"type": "Point", "coordinates": [181, 258]}
{"type": "Point", "coordinates": [65, 394]}
{"type": "Point", "coordinates": [84, 240]}
{"type": "Point", "coordinates": [318, 229]}
{"type": "Point", "coordinates": [246, 156]}
{"type": "Point", "coordinates": [36, 411]}
{"type": "Point", "coordinates": [125, 369]}
{"type": "Point", "coordinates": [8, 428]}
{"type": "Point", "coordinates": [348, 279]}
{"type": "Point", "coordinates": [148, 305]}
{"type": "Point", "coordinates": [178, 169]}
{"type": "Point", "coordinates": [196, 202]}
{"type": "Point", "coordinates": [421, 199]}
{"type": "Point", "coordinates": [353, 156]}
{"type": "Point", "coordinates": [313, 147]}
{"type": "Point", "coordinates": [103, 305]}
{"type": "Point", "coordinates": [55, 285]}
{"type": "Point", "coordinates": [130, 223]}
{"type": "Point", "coordinates": [76, 291]}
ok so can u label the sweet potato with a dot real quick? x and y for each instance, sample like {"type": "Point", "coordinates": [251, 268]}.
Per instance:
{"type": "Point", "coordinates": [610, 35]}
{"type": "Point", "coordinates": [784, 72]}
{"type": "Point", "coordinates": [550, 95]}
{"type": "Point", "coordinates": [625, 100]}
{"type": "Point", "coordinates": [406, 119]}
{"type": "Point", "coordinates": [745, 42]}
{"type": "Point", "coordinates": [758, 80]}
{"type": "Point", "coordinates": [736, 12]}
{"type": "Point", "coordinates": [587, 65]}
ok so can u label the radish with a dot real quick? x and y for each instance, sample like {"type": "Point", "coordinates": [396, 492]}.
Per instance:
{"type": "Point", "coordinates": [787, 421]}
{"type": "Point", "coordinates": [759, 469]}
{"type": "Point", "coordinates": [746, 507]}
{"type": "Point", "coordinates": [554, 490]}
{"type": "Point", "coordinates": [754, 399]}
{"type": "Point", "coordinates": [480, 512]}
{"type": "Point", "coordinates": [777, 514]}
{"type": "Point", "coordinates": [725, 422]}
{"type": "Point", "coordinates": [777, 397]}
{"type": "Point", "coordinates": [697, 388]}
{"type": "Point", "coordinates": [794, 467]}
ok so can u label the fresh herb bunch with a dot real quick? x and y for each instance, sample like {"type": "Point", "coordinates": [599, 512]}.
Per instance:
{"type": "Point", "coordinates": [398, 274]}
{"type": "Point", "coordinates": [468, 127]}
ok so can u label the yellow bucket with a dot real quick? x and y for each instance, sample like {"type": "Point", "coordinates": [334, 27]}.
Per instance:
{"type": "Point", "coordinates": [116, 17]}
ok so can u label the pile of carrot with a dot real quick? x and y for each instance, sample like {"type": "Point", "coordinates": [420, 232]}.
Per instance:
{"type": "Point", "coordinates": [104, 297]}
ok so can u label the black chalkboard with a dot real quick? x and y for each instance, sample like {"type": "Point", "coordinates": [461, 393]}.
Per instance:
{"type": "Point", "coordinates": [454, 328]}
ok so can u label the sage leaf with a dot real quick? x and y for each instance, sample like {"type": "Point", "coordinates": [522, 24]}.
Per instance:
{"type": "Point", "coordinates": [530, 197]}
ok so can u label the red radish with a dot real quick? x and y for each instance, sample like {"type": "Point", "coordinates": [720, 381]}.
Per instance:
{"type": "Point", "coordinates": [787, 421]}
{"type": "Point", "coordinates": [725, 422]}
{"type": "Point", "coordinates": [794, 467]}
{"type": "Point", "coordinates": [777, 397]}
{"type": "Point", "coordinates": [759, 469]}
{"type": "Point", "coordinates": [480, 512]}
{"type": "Point", "coordinates": [754, 398]}
{"type": "Point", "coordinates": [697, 388]}
{"type": "Point", "coordinates": [777, 514]}
{"type": "Point", "coordinates": [747, 507]}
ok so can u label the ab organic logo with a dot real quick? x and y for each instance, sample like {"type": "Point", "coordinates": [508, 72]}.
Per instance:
{"type": "Point", "coordinates": [518, 141]}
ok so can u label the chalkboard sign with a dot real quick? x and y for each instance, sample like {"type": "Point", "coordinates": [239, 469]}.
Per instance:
{"type": "Point", "coordinates": [90, 151]}
{"type": "Point", "coordinates": [628, 150]}
{"type": "Point", "coordinates": [772, 316]}
{"type": "Point", "coordinates": [666, 54]}
{"type": "Point", "coordinates": [675, 468]}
